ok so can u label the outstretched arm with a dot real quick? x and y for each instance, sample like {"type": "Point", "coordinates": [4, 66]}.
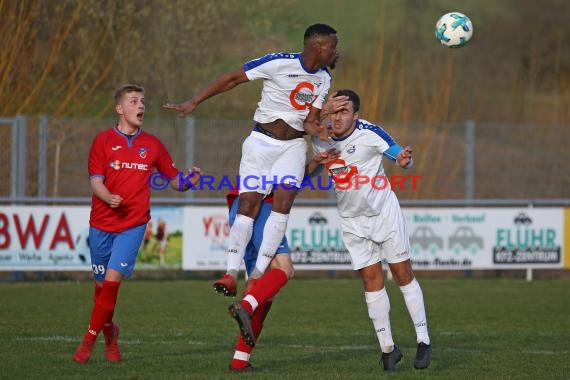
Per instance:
{"type": "Point", "coordinates": [224, 83]}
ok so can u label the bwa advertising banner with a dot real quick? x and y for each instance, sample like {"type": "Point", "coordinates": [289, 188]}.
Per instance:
{"type": "Point", "coordinates": [44, 238]}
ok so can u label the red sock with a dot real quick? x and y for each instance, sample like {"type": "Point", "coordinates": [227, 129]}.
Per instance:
{"type": "Point", "coordinates": [266, 287]}
{"type": "Point", "coordinates": [103, 308]}
{"type": "Point", "coordinates": [257, 325]}
{"type": "Point", "coordinates": [97, 292]}
{"type": "Point", "coordinates": [109, 324]}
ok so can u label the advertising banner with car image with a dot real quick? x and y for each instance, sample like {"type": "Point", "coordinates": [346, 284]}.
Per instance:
{"type": "Point", "coordinates": [484, 238]}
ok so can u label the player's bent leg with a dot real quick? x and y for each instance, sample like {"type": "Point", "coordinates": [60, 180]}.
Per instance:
{"type": "Point", "coordinates": [243, 320]}
{"type": "Point", "coordinates": [414, 299]}
{"type": "Point", "coordinates": [378, 305]}
{"type": "Point", "coordinates": [240, 361]}
{"type": "Point", "coordinates": [283, 261]}
{"type": "Point", "coordinates": [273, 234]}
{"type": "Point", "coordinates": [266, 288]}
{"type": "Point", "coordinates": [240, 235]}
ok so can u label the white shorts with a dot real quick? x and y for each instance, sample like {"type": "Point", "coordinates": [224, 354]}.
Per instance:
{"type": "Point", "coordinates": [266, 161]}
{"type": "Point", "coordinates": [370, 239]}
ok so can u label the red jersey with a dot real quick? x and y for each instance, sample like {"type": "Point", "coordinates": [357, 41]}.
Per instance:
{"type": "Point", "coordinates": [125, 164]}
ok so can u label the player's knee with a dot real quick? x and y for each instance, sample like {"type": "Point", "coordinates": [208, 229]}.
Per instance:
{"type": "Point", "coordinates": [402, 273]}
{"type": "Point", "coordinates": [372, 278]}
{"type": "Point", "coordinates": [287, 269]}
{"type": "Point", "coordinates": [249, 209]}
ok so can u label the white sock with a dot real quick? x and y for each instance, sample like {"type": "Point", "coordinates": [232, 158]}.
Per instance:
{"type": "Point", "coordinates": [415, 303]}
{"type": "Point", "coordinates": [379, 312]}
{"type": "Point", "coordinates": [251, 301]}
{"type": "Point", "coordinates": [273, 233]}
{"type": "Point", "coordinates": [243, 356]}
{"type": "Point", "coordinates": [240, 234]}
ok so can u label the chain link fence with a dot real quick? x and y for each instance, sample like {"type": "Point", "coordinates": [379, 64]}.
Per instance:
{"type": "Point", "coordinates": [455, 161]}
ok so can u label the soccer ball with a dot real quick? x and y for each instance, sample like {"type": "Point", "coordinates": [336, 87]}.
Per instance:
{"type": "Point", "coordinates": [453, 30]}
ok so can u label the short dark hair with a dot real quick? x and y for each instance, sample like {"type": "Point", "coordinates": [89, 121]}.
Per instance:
{"type": "Point", "coordinates": [125, 89]}
{"type": "Point", "coordinates": [318, 30]}
{"type": "Point", "coordinates": [352, 96]}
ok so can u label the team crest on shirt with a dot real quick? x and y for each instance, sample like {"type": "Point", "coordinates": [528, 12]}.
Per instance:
{"type": "Point", "coordinates": [351, 149]}
{"type": "Point", "coordinates": [142, 152]}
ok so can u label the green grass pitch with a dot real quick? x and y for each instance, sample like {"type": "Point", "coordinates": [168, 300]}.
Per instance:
{"type": "Point", "coordinates": [317, 329]}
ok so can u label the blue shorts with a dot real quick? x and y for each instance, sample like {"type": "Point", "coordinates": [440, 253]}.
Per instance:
{"type": "Point", "coordinates": [114, 250]}
{"type": "Point", "coordinates": [254, 244]}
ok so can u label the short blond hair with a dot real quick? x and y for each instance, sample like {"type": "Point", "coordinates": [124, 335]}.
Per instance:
{"type": "Point", "coordinates": [125, 89]}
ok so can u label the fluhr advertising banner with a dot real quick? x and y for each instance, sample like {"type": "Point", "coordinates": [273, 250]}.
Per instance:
{"type": "Point", "coordinates": [462, 238]}
{"type": "Point", "coordinates": [446, 238]}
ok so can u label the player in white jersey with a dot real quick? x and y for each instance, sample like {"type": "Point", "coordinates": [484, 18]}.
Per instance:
{"type": "Point", "coordinates": [372, 223]}
{"type": "Point", "coordinates": [295, 86]}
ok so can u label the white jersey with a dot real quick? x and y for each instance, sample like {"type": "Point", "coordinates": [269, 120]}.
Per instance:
{"type": "Point", "coordinates": [289, 89]}
{"type": "Point", "coordinates": [361, 155]}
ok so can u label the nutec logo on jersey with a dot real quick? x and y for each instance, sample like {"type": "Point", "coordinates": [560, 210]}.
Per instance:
{"type": "Point", "coordinates": [142, 152]}
{"type": "Point", "coordinates": [116, 164]}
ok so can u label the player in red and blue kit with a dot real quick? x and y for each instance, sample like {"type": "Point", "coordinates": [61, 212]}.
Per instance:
{"type": "Point", "coordinates": [243, 349]}
{"type": "Point", "coordinates": [121, 161]}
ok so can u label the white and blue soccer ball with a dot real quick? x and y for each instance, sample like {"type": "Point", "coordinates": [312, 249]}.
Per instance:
{"type": "Point", "coordinates": [454, 29]}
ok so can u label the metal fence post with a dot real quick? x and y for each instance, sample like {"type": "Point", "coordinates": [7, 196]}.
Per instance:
{"type": "Point", "coordinates": [18, 164]}
{"type": "Point", "coordinates": [190, 144]}
{"type": "Point", "coordinates": [14, 161]}
{"type": "Point", "coordinates": [469, 161]}
{"type": "Point", "coordinates": [42, 156]}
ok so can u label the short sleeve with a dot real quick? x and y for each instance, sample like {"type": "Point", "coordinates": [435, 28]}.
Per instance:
{"type": "Point", "coordinates": [164, 162]}
{"type": "Point", "coordinates": [97, 162]}
{"type": "Point", "coordinates": [263, 67]}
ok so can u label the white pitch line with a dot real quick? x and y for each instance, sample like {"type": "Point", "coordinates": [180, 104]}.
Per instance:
{"type": "Point", "coordinates": [59, 338]}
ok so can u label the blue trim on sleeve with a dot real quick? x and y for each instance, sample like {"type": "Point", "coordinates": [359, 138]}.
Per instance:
{"type": "Point", "coordinates": [96, 176]}
{"type": "Point", "coordinates": [267, 58]}
{"type": "Point", "coordinates": [393, 151]}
